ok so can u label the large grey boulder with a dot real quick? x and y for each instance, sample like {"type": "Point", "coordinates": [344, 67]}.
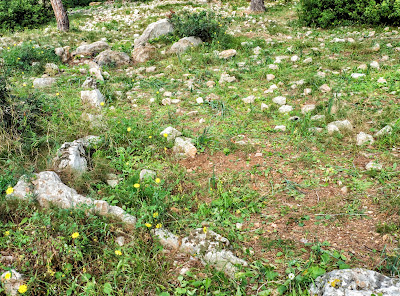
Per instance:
{"type": "Point", "coordinates": [112, 57]}
{"type": "Point", "coordinates": [142, 54]}
{"type": "Point", "coordinates": [47, 188]}
{"type": "Point", "coordinates": [43, 82]}
{"type": "Point", "coordinates": [184, 44]}
{"type": "Point", "coordinates": [91, 49]}
{"type": "Point", "coordinates": [355, 282]}
{"type": "Point", "coordinates": [154, 30]}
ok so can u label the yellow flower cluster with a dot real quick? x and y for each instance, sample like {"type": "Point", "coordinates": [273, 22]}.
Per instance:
{"type": "Point", "coordinates": [75, 235]}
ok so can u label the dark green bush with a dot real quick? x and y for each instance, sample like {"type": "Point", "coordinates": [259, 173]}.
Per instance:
{"type": "Point", "coordinates": [205, 25]}
{"type": "Point", "coordinates": [19, 14]}
{"type": "Point", "coordinates": [327, 13]}
{"type": "Point", "coordinates": [76, 3]}
{"type": "Point", "coordinates": [27, 57]}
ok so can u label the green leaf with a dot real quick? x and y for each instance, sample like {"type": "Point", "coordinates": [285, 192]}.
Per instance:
{"type": "Point", "coordinates": [23, 221]}
{"type": "Point", "coordinates": [282, 289]}
{"type": "Point", "coordinates": [107, 288]}
{"type": "Point", "coordinates": [207, 283]}
{"type": "Point", "coordinates": [270, 275]}
{"type": "Point", "coordinates": [316, 271]}
{"type": "Point", "coordinates": [164, 294]}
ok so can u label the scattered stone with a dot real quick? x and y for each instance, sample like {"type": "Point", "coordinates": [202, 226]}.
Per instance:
{"type": "Point", "coordinates": [147, 174]}
{"type": "Point", "coordinates": [357, 75]}
{"type": "Point", "coordinates": [294, 118]}
{"type": "Point", "coordinates": [184, 44]}
{"type": "Point", "coordinates": [183, 146]}
{"type": "Point", "coordinates": [337, 126]}
{"type": "Point", "coordinates": [113, 180]}
{"type": "Point", "coordinates": [363, 138]}
{"type": "Point", "coordinates": [239, 226]}
{"type": "Point", "coordinates": [95, 71]}
{"type": "Point", "coordinates": [166, 101]}
{"type": "Point", "coordinates": [344, 190]}
{"type": "Point", "coordinates": [12, 284]}
{"type": "Point", "coordinates": [381, 80]}
{"type": "Point", "coordinates": [373, 166]}
{"type": "Point", "coordinates": [211, 84]}
{"type": "Point", "coordinates": [307, 108]}
{"type": "Point", "coordinates": [43, 82]}
{"type": "Point", "coordinates": [171, 133]}
{"type": "Point", "coordinates": [226, 54]}
{"type": "Point", "coordinates": [89, 83]}
{"type": "Point", "coordinates": [91, 49]}
{"type": "Point", "coordinates": [51, 69]}
{"type": "Point", "coordinates": [307, 91]}
{"type": "Point", "coordinates": [270, 77]}
{"type": "Point", "coordinates": [200, 100]}
{"type": "Point", "coordinates": [110, 57]}
{"type": "Point", "coordinates": [374, 65]}
{"type": "Point", "coordinates": [294, 58]}
{"type": "Point", "coordinates": [308, 61]}
{"type": "Point", "coordinates": [315, 129]}
{"type": "Point", "coordinates": [362, 67]}
{"type": "Point", "coordinates": [92, 97]}
{"type": "Point", "coordinates": [285, 109]}
{"type": "Point", "coordinates": [63, 53]}
{"type": "Point", "coordinates": [264, 106]}
{"type": "Point", "coordinates": [376, 47]}
{"type": "Point", "coordinates": [225, 77]}
{"type": "Point", "coordinates": [325, 88]}
{"type": "Point", "coordinates": [120, 240]}
{"type": "Point", "coordinates": [249, 99]}
{"type": "Point", "coordinates": [280, 128]}
{"type": "Point", "coordinates": [321, 74]}
{"type": "Point", "coordinates": [154, 30]}
{"type": "Point", "coordinates": [279, 100]}
{"type": "Point", "coordinates": [142, 54]}
{"type": "Point", "coordinates": [355, 282]}
{"type": "Point", "coordinates": [384, 131]}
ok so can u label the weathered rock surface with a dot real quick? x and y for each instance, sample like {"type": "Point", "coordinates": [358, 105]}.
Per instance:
{"type": "Point", "coordinates": [43, 82]}
{"type": "Point", "coordinates": [147, 174]}
{"type": "Point", "coordinates": [49, 189]}
{"type": "Point", "coordinates": [63, 53]}
{"type": "Point", "coordinates": [92, 97]}
{"type": "Point", "coordinates": [339, 125]}
{"type": "Point", "coordinates": [154, 30]}
{"type": "Point", "coordinates": [166, 238]}
{"type": "Point", "coordinates": [12, 284]}
{"type": "Point", "coordinates": [184, 44]}
{"type": "Point", "coordinates": [89, 83]}
{"type": "Point", "coordinates": [363, 138]}
{"type": "Point", "coordinates": [171, 133]}
{"type": "Point", "coordinates": [183, 146]}
{"type": "Point", "coordinates": [71, 155]}
{"type": "Point", "coordinates": [384, 131]}
{"type": "Point", "coordinates": [373, 166]}
{"type": "Point", "coordinates": [108, 57]}
{"type": "Point", "coordinates": [51, 69]}
{"type": "Point", "coordinates": [226, 54]}
{"type": "Point", "coordinates": [142, 54]}
{"type": "Point", "coordinates": [91, 49]}
{"type": "Point", "coordinates": [355, 282]}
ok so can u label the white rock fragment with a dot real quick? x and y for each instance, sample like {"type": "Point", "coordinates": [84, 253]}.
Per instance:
{"type": "Point", "coordinates": [166, 238]}
{"type": "Point", "coordinates": [171, 133]}
{"type": "Point", "coordinates": [270, 77]}
{"type": "Point", "coordinates": [225, 77]}
{"type": "Point", "coordinates": [184, 147]}
{"type": "Point", "coordinates": [154, 30]}
{"type": "Point", "coordinates": [226, 54]}
{"type": "Point", "coordinates": [280, 100]}
{"type": "Point", "coordinates": [285, 109]}
{"type": "Point", "coordinates": [280, 128]}
{"type": "Point", "coordinates": [373, 166]}
{"type": "Point", "coordinates": [384, 131]}
{"type": "Point", "coordinates": [249, 99]}
{"type": "Point", "coordinates": [307, 108]}
{"type": "Point", "coordinates": [43, 82]}
{"type": "Point", "coordinates": [147, 174]}
{"type": "Point", "coordinates": [363, 138]}
{"type": "Point", "coordinates": [381, 80]}
{"type": "Point", "coordinates": [357, 75]}
{"type": "Point", "coordinates": [200, 100]}
{"type": "Point", "coordinates": [92, 97]}
{"type": "Point", "coordinates": [374, 64]}
{"type": "Point", "coordinates": [337, 126]}
{"type": "Point", "coordinates": [325, 88]}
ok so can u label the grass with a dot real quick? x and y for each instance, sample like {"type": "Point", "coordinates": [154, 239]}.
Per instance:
{"type": "Point", "coordinates": [294, 202]}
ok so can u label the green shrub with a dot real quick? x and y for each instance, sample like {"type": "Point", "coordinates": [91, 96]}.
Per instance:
{"type": "Point", "coordinates": [27, 57]}
{"type": "Point", "coordinates": [75, 3]}
{"type": "Point", "coordinates": [205, 25]}
{"type": "Point", "coordinates": [327, 13]}
{"type": "Point", "coordinates": [19, 14]}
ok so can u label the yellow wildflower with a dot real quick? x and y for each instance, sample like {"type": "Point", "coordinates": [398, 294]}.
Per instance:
{"type": "Point", "coordinates": [24, 84]}
{"type": "Point", "coordinates": [128, 129]}
{"type": "Point", "coordinates": [159, 225]}
{"type": "Point", "coordinates": [7, 275]}
{"type": "Point", "coordinates": [150, 137]}
{"type": "Point", "coordinates": [118, 252]}
{"type": "Point", "coordinates": [334, 282]}
{"type": "Point", "coordinates": [57, 94]}
{"type": "Point", "coordinates": [155, 215]}
{"type": "Point", "coordinates": [148, 225]}
{"type": "Point", "coordinates": [9, 190]}
{"type": "Point", "coordinates": [165, 135]}
{"type": "Point", "coordinates": [205, 229]}
{"type": "Point", "coordinates": [22, 289]}
{"type": "Point", "coordinates": [102, 104]}
{"type": "Point", "coordinates": [7, 233]}
{"type": "Point", "coordinates": [137, 185]}
{"type": "Point", "coordinates": [158, 180]}
{"type": "Point", "coordinates": [75, 235]}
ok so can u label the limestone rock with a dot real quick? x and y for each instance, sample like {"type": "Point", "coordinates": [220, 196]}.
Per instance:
{"type": "Point", "coordinates": [384, 131]}
{"type": "Point", "coordinates": [226, 54]}
{"type": "Point", "coordinates": [51, 69]}
{"type": "Point", "coordinates": [280, 128]}
{"type": "Point", "coordinates": [92, 97]}
{"type": "Point", "coordinates": [373, 165]}
{"type": "Point", "coordinates": [357, 75]}
{"type": "Point", "coordinates": [91, 49]}
{"type": "Point", "coordinates": [171, 132]}
{"type": "Point", "coordinates": [307, 108]}
{"type": "Point", "coordinates": [279, 100]}
{"type": "Point", "coordinates": [63, 53]}
{"type": "Point", "coordinates": [154, 30]}
{"type": "Point", "coordinates": [43, 82]}
{"type": "Point", "coordinates": [142, 54]}
{"type": "Point", "coordinates": [223, 260]}
{"type": "Point", "coordinates": [112, 57]}
{"type": "Point", "coordinates": [89, 83]}
{"type": "Point", "coordinates": [225, 77]}
{"type": "Point", "coordinates": [285, 109]}
{"type": "Point", "coordinates": [355, 282]}
{"type": "Point", "coordinates": [184, 44]}
{"type": "Point", "coordinates": [325, 88]}
{"type": "Point", "coordinates": [200, 241]}
{"type": "Point", "coordinates": [12, 284]}
{"type": "Point", "coordinates": [363, 138]}
{"type": "Point", "coordinates": [166, 238]}
{"type": "Point", "coordinates": [147, 174]}
{"type": "Point", "coordinates": [337, 126]}
{"type": "Point", "coordinates": [249, 99]}
{"type": "Point", "coordinates": [184, 146]}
